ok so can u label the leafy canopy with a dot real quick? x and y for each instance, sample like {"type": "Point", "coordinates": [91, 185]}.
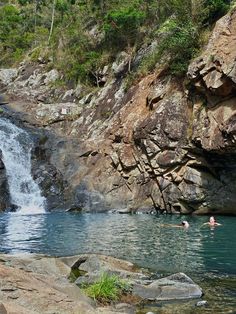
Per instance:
{"type": "Point", "coordinates": [87, 34]}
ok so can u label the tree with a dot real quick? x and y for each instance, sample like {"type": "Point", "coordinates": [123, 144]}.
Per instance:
{"type": "Point", "coordinates": [122, 28]}
{"type": "Point", "coordinates": [214, 9]}
{"type": "Point", "coordinates": [10, 20]}
{"type": "Point", "coordinates": [62, 6]}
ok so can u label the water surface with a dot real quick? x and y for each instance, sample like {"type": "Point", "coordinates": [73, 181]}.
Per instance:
{"type": "Point", "coordinates": [208, 255]}
{"type": "Point", "coordinates": [143, 239]}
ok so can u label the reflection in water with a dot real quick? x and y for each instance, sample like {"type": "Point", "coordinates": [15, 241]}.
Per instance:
{"type": "Point", "coordinates": [141, 239]}
{"type": "Point", "coordinates": [22, 232]}
{"type": "Point", "coordinates": [207, 255]}
{"type": "Point", "coordinates": [219, 247]}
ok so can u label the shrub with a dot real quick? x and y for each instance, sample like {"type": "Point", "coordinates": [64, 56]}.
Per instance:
{"type": "Point", "coordinates": [180, 40]}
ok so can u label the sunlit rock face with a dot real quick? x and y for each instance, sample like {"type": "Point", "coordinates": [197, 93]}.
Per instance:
{"type": "Point", "coordinates": [169, 148]}
{"type": "Point", "coordinates": [213, 75]}
{"type": "Point", "coordinates": [158, 146]}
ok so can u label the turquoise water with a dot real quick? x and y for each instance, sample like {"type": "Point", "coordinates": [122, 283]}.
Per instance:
{"type": "Point", "coordinates": [143, 239]}
{"type": "Point", "coordinates": [208, 255]}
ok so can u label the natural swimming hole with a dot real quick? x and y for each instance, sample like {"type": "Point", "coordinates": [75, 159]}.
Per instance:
{"type": "Point", "coordinates": [208, 255]}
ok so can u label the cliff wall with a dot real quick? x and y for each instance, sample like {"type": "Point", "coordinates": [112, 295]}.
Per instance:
{"type": "Point", "coordinates": [163, 145]}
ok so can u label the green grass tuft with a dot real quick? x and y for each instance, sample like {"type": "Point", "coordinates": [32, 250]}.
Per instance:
{"type": "Point", "coordinates": [107, 289]}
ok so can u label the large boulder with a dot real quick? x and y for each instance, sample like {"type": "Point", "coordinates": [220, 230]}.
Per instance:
{"type": "Point", "coordinates": [174, 287]}
{"type": "Point", "coordinates": [37, 285]}
{"type": "Point", "coordinates": [93, 266]}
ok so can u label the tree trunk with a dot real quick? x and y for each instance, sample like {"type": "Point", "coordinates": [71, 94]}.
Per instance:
{"type": "Point", "coordinates": [35, 21]}
{"type": "Point", "coordinates": [52, 21]}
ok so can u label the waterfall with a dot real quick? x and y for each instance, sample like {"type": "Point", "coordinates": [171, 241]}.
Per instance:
{"type": "Point", "coordinates": [16, 146]}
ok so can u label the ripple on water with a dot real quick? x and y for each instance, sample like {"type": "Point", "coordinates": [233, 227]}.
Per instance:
{"type": "Point", "coordinates": [207, 255]}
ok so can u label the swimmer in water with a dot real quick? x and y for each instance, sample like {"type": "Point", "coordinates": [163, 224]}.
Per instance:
{"type": "Point", "coordinates": [212, 222]}
{"type": "Point", "coordinates": [184, 224]}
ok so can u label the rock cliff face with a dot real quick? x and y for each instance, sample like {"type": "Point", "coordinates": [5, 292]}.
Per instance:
{"type": "Point", "coordinates": [160, 146]}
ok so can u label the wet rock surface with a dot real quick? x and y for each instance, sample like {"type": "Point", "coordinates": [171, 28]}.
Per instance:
{"type": "Point", "coordinates": [4, 191]}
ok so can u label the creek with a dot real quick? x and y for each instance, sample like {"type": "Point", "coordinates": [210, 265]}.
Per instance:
{"type": "Point", "coordinates": [207, 255]}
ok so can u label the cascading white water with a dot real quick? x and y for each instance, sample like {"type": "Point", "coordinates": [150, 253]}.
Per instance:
{"type": "Point", "coordinates": [16, 146]}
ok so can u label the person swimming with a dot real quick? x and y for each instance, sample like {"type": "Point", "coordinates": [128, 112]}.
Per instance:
{"type": "Point", "coordinates": [212, 222]}
{"type": "Point", "coordinates": [184, 224]}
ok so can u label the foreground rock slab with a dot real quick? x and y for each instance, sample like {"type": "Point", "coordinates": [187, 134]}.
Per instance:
{"type": "Point", "coordinates": [34, 284]}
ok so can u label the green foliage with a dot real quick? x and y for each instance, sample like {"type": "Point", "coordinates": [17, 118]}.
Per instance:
{"type": "Point", "coordinates": [177, 26]}
{"type": "Point", "coordinates": [122, 26]}
{"type": "Point", "coordinates": [11, 39]}
{"type": "Point", "coordinates": [36, 53]}
{"type": "Point", "coordinates": [214, 9]}
{"type": "Point", "coordinates": [108, 288]}
{"type": "Point", "coordinates": [180, 39]}
{"type": "Point", "coordinates": [81, 63]}
{"type": "Point", "coordinates": [62, 6]}
{"type": "Point", "coordinates": [9, 21]}
{"type": "Point", "coordinates": [150, 62]}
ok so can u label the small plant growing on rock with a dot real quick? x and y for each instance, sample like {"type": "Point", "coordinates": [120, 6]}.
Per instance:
{"type": "Point", "coordinates": [109, 288]}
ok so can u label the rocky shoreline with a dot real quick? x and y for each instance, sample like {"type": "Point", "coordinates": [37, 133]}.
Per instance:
{"type": "Point", "coordinates": [32, 284]}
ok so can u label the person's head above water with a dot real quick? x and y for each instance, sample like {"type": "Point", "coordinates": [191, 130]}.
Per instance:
{"type": "Point", "coordinates": [212, 220]}
{"type": "Point", "coordinates": [185, 224]}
